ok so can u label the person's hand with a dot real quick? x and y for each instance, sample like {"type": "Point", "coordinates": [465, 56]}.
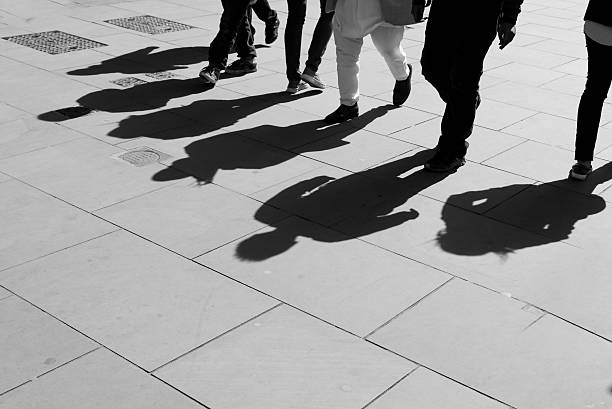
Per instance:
{"type": "Point", "coordinates": [506, 33]}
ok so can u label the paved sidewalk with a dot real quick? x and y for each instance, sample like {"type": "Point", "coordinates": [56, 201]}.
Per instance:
{"type": "Point", "coordinates": [168, 245]}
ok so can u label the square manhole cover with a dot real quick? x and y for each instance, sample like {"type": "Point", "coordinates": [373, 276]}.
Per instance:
{"type": "Point", "coordinates": [143, 156]}
{"type": "Point", "coordinates": [54, 42]}
{"type": "Point", "coordinates": [149, 24]}
{"type": "Point", "coordinates": [128, 82]}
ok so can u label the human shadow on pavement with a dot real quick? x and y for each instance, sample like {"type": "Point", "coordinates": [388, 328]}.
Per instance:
{"type": "Point", "coordinates": [152, 95]}
{"type": "Point", "coordinates": [260, 147]}
{"type": "Point", "coordinates": [363, 201]}
{"type": "Point", "coordinates": [145, 61]}
{"type": "Point", "coordinates": [203, 116]}
{"type": "Point", "coordinates": [550, 210]}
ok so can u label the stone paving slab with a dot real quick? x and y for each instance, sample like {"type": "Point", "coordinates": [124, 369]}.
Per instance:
{"type": "Point", "coordinates": [117, 290]}
{"type": "Point", "coordinates": [191, 219]}
{"type": "Point", "coordinates": [33, 343]}
{"type": "Point", "coordinates": [503, 348]}
{"type": "Point", "coordinates": [93, 381]}
{"type": "Point", "coordinates": [425, 389]}
{"type": "Point", "coordinates": [368, 241]}
{"type": "Point", "coordinates": [286, 359]}
{"type": "Point", "coordinates": [345, 282]}
{"type": "Point", "coordinates": [36, 224]}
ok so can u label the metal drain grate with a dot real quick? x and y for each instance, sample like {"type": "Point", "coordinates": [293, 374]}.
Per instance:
{"type": "Point", "coordinates": [128, 82]}
{"type": "Point", "coordinates": [54, 42]}
{"type": "Point", "coordinates": [162, 75]}
{"type": "Point", "coordinates": [143, 156]}
{"type": "Point", "coordinates": [149, 24]}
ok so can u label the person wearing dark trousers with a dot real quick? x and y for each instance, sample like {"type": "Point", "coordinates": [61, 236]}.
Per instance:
{"type": "Point", "coordinates": [598, 33]}
{"type": "Point", "coordinates": [293, 45]}
{"type": "Point", "coordinates": [457, 38]}
{"type": "Point", "coordinates": [244, 44]}
{"type": "Point", "coordinates": [265, 13]}
{"type": "Point", "coordinates": [234, 12]}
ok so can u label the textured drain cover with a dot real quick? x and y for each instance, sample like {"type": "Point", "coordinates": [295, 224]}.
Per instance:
{"type": "Point", "coordinates": [143, 156]}
{"type": "Point", "coordinates": [149, 24]}
{"type": "Point", "coordinates": [54, 42]}
{"type": "Point", "coordinates": [162, 75]}
{"type": "Point", "coordinates": [128, 82]}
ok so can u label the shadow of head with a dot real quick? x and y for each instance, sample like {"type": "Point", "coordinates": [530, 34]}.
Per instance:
{"type": "Point", "coordinates": [522, 216]}
{"type": "Point", "coordinates": [263, 246]}
{"type": "Point", "coordinates": [145, 61]}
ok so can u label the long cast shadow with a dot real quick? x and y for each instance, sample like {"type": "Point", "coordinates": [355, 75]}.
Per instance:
{"type": "Point", "coordinates": [204, 116]}
{"type": "Point", "coordinates": [549, 210]}
{"type": "Point", "coordinates": [243, 150]}
{"type": "Point", "coordinates": [146, 61]}
{"type": "Point", "coordinates": [369, 198]}
{"type": "Point", "coordinates": [155, 94]}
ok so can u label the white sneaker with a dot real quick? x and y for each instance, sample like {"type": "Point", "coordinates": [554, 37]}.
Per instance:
{"type": "Point", "coordinates": [313, 80]}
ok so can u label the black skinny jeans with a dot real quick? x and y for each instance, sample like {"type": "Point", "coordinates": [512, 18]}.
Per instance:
{"type": "Point", "coordinates": [234, 12]}
{"type": "Point", "coordinates": [293, 38]}
{"type": "Point", "coordinates": [245, 39]}
{"type": "Point", "coordinates": [452, 61]}
{"type": "Point", "coordinates": [595, 92]}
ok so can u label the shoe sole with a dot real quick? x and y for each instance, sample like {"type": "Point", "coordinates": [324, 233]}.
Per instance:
{"type": "Point", "coordinates": [348, 118]}
{"type": "Point", "coordinates": [240, 72]}
{"type": "Point", "coordinates": [312, 82]}
{"type": "Point", "coordinates": [299, 88]}
{"type": "Point", "coordinates": [578, 176]}
{"type": "Point", "coordinates": [207, 79]}
{"type": "Point", "coordinates": [445, 170]}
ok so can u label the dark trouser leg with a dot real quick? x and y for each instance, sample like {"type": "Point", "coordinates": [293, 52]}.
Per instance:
{"type": "Point", "coordinates": [293, 37]}
{"type": "Point", "coordinates": [457, 83]}
{"type": "Point", "coordinates": [263, 11]}
{"type": "Point", "coordinates": [245, 43]}
{"type": "Point", "coordinates": [320, 38]}
{"type": "Point", "coordinates": [596, 89]}
{"type": "Point", "coordinates": [233, 13]}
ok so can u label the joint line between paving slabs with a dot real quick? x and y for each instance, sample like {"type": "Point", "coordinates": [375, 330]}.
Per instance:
{"type": "Point", "coordinates": [439, 373]}
{"type": "Point", "coordinates": [411, 306]}
{"type": "Point", "coordinates": [390, 387]}
{"type": "Point", "coordinates": [14, 387]}
{"type": "Point", "coordinates": [67, 362]}
{"type": "Point", "coordinates": [179, 391]}
{"type": "Point", "coordinates": [57, 251]}
{"type": "Point", "coordinates": [216, 337]}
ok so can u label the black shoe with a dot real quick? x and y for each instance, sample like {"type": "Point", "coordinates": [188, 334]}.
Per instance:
{"type": "Point", "coordinates": [445, 161]}
{"type": "Point", "coordinates": [272, 30]}
{"type": "Point", "coordinates": [580, 171]}
{"type": "Point", "coordinates": [401, 91]}
{"type": "Point", "coordinates": [342, 114]}
{"type": "Point", "coordinates": [241, 66]}
{"type": "Point", "coordinates": [210, 75]}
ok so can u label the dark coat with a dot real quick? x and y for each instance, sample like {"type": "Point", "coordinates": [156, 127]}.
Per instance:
{"type": "Point", "coordinates": [599, 11]}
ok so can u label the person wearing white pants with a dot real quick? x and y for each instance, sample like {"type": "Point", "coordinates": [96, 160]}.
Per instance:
{"type": "Point", "coordinates": [353, 20]}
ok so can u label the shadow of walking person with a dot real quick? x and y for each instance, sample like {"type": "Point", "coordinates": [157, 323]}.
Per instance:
{"type": "Point", "coordinates": [550, 210]}
{"type": "Point", "coordinates": [244, 150]}
{"type": "Point", "coordinates": [142, 97]}
{"type": "Point", "coordinates": [204, 116]}
{"type": "Point", "coordinates": [364, 202]}
{"type": "Point", "coordinates": [145, 61]}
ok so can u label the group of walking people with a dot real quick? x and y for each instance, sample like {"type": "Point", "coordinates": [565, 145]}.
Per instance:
{"type": "Point", "coordinates": [458, 36]}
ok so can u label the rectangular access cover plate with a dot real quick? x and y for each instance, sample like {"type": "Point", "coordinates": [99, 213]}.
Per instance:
{"type": "Point", "coordinates": [149, 24]}
{"type": "Point", "coordinates": [54, 42]}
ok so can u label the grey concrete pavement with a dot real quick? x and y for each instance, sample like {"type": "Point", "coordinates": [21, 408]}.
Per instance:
{"type": "Point", "coordinates": [169, 245]}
